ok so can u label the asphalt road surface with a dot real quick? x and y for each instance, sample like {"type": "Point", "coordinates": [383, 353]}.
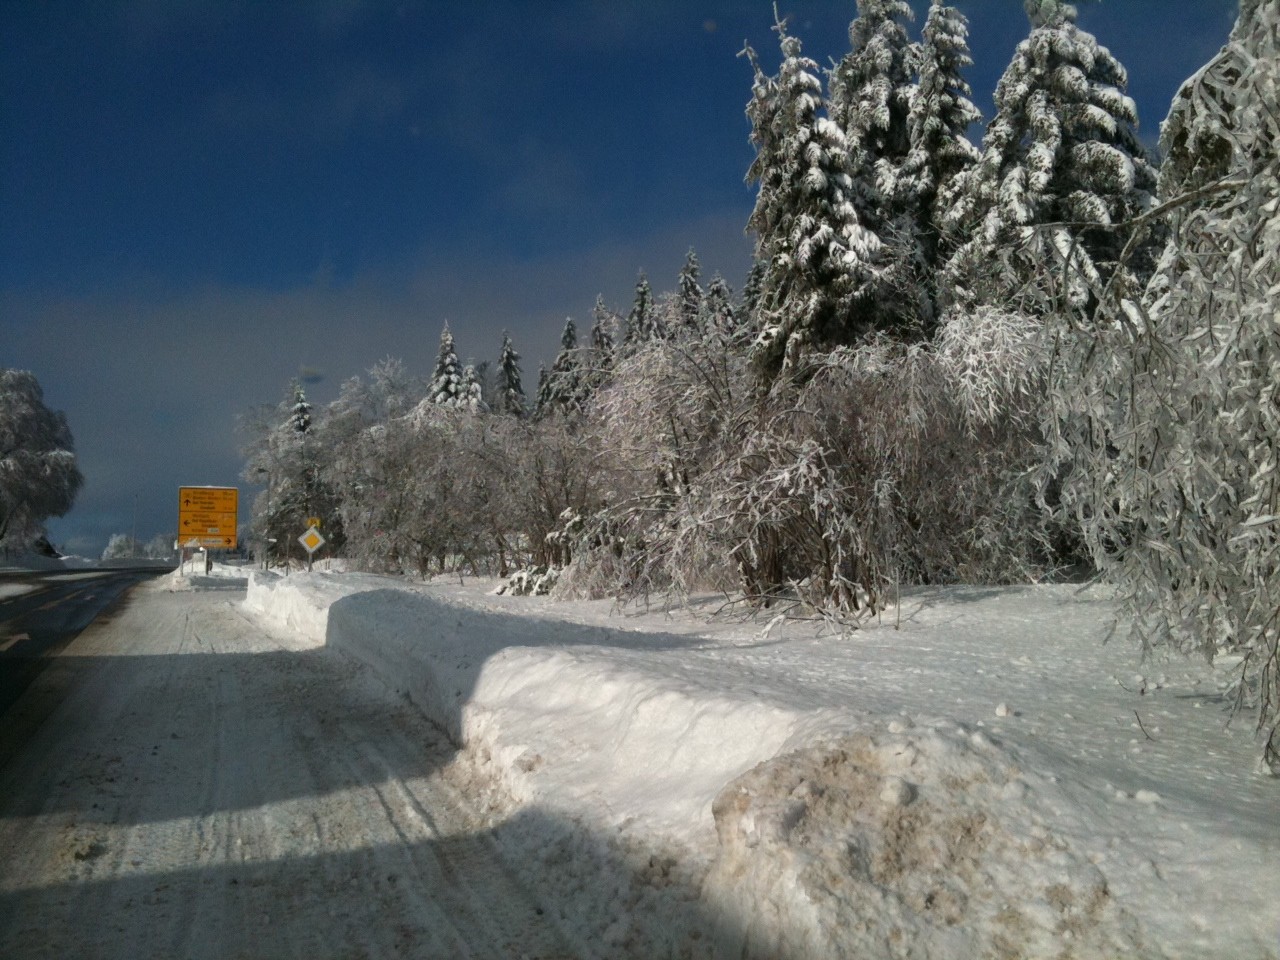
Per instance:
{"type": "Point", "coordinates": [40, 613]}
{"type": "Point", "coordinates": [177, 782]}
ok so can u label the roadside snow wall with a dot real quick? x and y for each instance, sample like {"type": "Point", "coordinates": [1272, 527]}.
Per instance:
{"type": "Point", "coordinates": [809, 833]}
{"type": "Point", "coordinates": [565, 713]}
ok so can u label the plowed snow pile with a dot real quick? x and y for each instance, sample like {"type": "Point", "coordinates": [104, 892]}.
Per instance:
{"type": "Point", "coordinates": [984, 780]}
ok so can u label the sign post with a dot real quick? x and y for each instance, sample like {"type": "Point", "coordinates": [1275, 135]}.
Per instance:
{"type": "Point", "coordinates": [208, 515]}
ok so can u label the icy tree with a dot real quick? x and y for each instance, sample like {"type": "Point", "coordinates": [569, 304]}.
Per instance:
{"type": "Point", "coordinates": [1061, 172]}
{"type": "Point", "coordinates": [644, 323]}
{"type": "Point", "coordinates": [722, 314]}
{"type": "Point", "coordinates": [121, 546]}
{"type": "Point", "coordinates": [814, 251]}
{"type": "Point", "coordinates": [689, 293]}
{"type": "Point", "coordinates": [39, 477]}
{"type": "Point", "coordinates": [601, 351]}
{"type": "Point", "coordinates": [750, 300]}
{"type": "Point", "coordinates": [937, 126]}
{"type": "Point", "coordinates": [509, 396]}
{"type": "Point", "coordinates": [300, 418]}
{"type": "Point", "coordinates": [872, 91]}
{"type": "Point", "coordinates": [446, 382]}
{"type": "Point", "coordinates": [471, 396]}
{"type": "Point", "coordinates": [565, 388]}
{"type": "Point", "coordinates": [288, 452]}
{"type": "Point", "coordinates": [1169, 414]}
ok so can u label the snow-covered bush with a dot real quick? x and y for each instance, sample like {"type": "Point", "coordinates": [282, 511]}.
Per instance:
{"type": "Point", "coordinates": [891, 463]}
{"type": "Point", "coordinates": [121, 546]}
{"type": "Point", "coordinates": [663, 417]}
{"type": "Point", "coordinates": [531, 582]}
{"type": "Point", "coordinates": [1168, 412]}
{"type": "Point", "coordinates": [875, 473]}
{"type": "Point", "coordinates": [287, 454]}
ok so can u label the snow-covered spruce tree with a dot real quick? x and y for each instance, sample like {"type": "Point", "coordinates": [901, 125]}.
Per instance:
{"type": "Point", "coordinates": [872, 93]}
{"type": "Point", "coordinates": [816, 255]}
{"type": "Point", "coordinates": [564, 390]}
{"type": "Point", "coordinates": [39, 477]}
{"type": "Point", "coordinates": [937, 126]}
{"type": "Point", "coordinates": [689, 292]}
{"type": "Point", "coordinates": [1169, 414]}
{"type": "Point", "coordinates": [719, 307]}
{"type": "Point", "coordinates": [1061, 172]}
{"type": "Point", "coordinates": [471, 396]}
{"type": "Point", "coordinates": [601, 349]}
{"type": "Point", "coordinates": [509, 397]}
{"type": "Point", "coordinates": [749, 303]}
{"type": "Point", "coordinates": [446, 382]}
{"type": "Point", "coordinates": [643, 322]}
{"type": "Point", "coordinates": [300, 418]}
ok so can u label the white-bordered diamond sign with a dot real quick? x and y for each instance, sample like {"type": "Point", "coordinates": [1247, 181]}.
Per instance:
{"type": "Point", "coordinates": [311, 540]}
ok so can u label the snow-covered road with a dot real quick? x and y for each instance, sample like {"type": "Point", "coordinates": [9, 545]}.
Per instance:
{"type": "Point", "coordinates": [180, 784]}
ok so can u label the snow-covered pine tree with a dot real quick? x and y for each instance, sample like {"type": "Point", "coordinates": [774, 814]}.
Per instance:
{"type": "Point", "coordinates": [1061, 167]}
{"type": "Point", "coordinates": [509, 397]}
{"type": "Point", "coordinates": [689, 292]}
{"type": "Point", "coordinates": [542, 399]}
{"type": "Point", "coordinates": [872, 92]}
{"type": "Point", "coordinates": [300, 417]}
{"type": "Point", "coordinates": [815, 255]}
{"type": "Point", "coordinates": [1169, 415]}
{"type": "Point", "coordinates": [644, 322]}
{"type": "Point", "coordinates": [719, 307]}
{"type": "Point", "coordinates": [749, 303]}
{"type": "Point", "coordinates": [564, 388]}
{"type": "Point", "coordinates": [446, 382]}
{"type": "Point", "coordinates": [471, 396]}
{"type": "Point", "coordinates": [603, 322]}
{"type": "Point", "coordinates": [937, 126]}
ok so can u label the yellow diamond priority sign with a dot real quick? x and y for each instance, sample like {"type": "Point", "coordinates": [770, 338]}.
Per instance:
{"type": "Point", "coordinates": [311, 540]}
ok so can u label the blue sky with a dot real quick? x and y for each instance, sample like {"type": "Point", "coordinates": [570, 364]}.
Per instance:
{"type": "Point", "coordinates": [202, 199]}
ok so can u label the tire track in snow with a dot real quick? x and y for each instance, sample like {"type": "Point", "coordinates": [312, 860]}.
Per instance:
{"type": "Point", "coordinates": [205, 791]}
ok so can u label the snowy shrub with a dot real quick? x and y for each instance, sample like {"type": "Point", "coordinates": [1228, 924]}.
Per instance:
{"type": "Point", "coordinates": [531, 582]}
{"type": "Point", "coordinates": [879, 469]}
{"type": "Point", "coordinates": [663, 418]}
{"type": "Point", "coordinates": [874, 474]}
{"type": "Point", "coordinates": [1168, 412]}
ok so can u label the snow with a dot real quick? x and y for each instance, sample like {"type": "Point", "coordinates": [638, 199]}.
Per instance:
{"type": "Point", "coordinates": [974, 775]}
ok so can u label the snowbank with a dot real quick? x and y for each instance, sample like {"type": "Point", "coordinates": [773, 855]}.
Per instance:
{"type": "Point", "coordinates": [977, 783]}
{"type": "Point", "coordinates": [300, 602]}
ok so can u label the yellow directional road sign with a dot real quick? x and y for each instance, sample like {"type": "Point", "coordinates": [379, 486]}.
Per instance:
{"type": "Point", "coordinates": [208, 515]}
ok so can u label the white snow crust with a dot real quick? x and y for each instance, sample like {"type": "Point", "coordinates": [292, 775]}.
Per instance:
{"type": "Point", "coordinates": [975, 775]}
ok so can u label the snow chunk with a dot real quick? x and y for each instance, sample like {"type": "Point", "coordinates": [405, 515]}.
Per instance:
{"type": "Point", "coordinates": [827, 852]}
